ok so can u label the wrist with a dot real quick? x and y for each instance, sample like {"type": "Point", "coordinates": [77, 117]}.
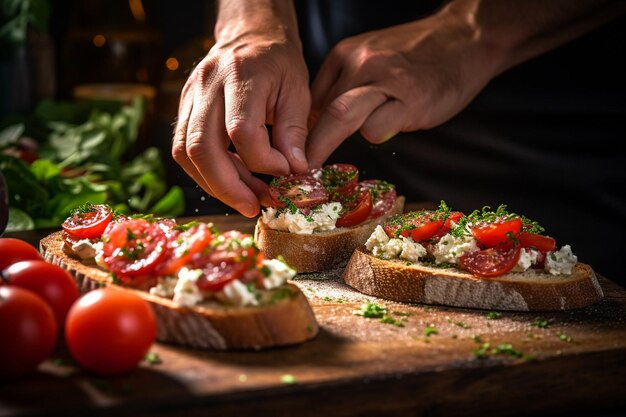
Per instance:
{"type": "Point", "coordinates": [269, 18]}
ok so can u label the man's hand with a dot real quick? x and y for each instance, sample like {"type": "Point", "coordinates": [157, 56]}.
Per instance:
{"type": "Point", "coordinates": [253, 76]}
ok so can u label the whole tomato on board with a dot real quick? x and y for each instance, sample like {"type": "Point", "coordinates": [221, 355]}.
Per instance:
{"type": "Point", "coordinates": [28, 329]}
{"type": "Point", "coordinates": [51, 282]}
{"type": "Point", "coordinates": [109, 331]}
{"type": "Point", "coordinates": [15, 250]}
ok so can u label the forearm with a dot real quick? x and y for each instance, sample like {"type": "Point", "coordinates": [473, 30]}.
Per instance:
{"type": "Point", "coordinates": [239, 17]}
{"type": "Point", "coordinates": [513, 31]}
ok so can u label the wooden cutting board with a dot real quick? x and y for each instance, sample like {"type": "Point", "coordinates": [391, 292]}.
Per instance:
{"type": "Point", "coordinates": [420, 360]}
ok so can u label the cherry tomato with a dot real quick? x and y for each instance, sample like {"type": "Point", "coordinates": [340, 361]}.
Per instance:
{"type": "Point", "coordinates": [383, 196]}
{"type": "Point", "coordinates": [500, 232]}
{"type": "Point", "coordinates": [420, 226]}
{"type": "Point", "coordinates": [15, 250]}
{"type": "Point", "coordinates": [490, 262]}
{"type": "Point", "coordinates": [185, 246]}
{"type": "Point", "coordinates": [108, 331]}
{"type": "Point", "coordinates": [454, 216]}
{"type": "Point", "coordinates": [542, 243]}
{"type": "Point", "coordinates": [303, 190]}
{"type": "Point", "coordinates": [89, 223]}
{"type": "Point", "coordinates": [358, 213]}
{"type": "Point", "coordinates": [134, 247]}
{"type": "Point", "coordinates": [28, 329]}
{"type": "Point", "coordinates": [51, 282]}
{"type": "Point", "coordinates": [340, 179]}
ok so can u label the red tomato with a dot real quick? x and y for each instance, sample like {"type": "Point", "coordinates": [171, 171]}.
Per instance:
{"type": "Point", "coordinates": [51, 282]}
{"type": "Point", "coordinates": [185, 246]}
{"type": "Point", "coordinates": [88, 224]}
{"type": "Point", "coordinates": [420, 226]}
{"type": "Point", "coordinates": [358, 213]}
{"type": "Point", "coordinates": [500, 232]}
{"type": "Point", "coordinates": [15, 250]}
{"type": "Point", "coordinates": [134, 247]}
{"type": "Point", "coordinates": [383, 196]}
{"type": "Point", "coordinates": [340, 179]}
{"type": "Point", "coordinates": [302, 190]}
{"type": "Point", "coordinates": [109, 331]}
{"type": "Point", "coordinates": [28, 329]}
{"type": "Point", "coordinates": [542, 243]}
{"type": "Point", "coordinates": [490, 262]}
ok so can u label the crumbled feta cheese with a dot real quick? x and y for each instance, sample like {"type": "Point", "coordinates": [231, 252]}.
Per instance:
{"type": "Point", "coordinates": [390, 250]}
{"type": "Point", "coordinates": [164, 287]}
{"type": "Point", "coordinates": [411, 250]}
{"type": "Point", "coordinates": [84, 249]}
{"type": "Point", "coordinates": [527, 258]}
{"type": "Point", "coordinates": [561, 262]}
{"type": "Point", "coordinates": [322, 218]}
{"type": "Point", "coordinates": [99, 258]}
{"type": "Point", "coordinates": [279, 273]}
{"type": "Point", "coordinates": [239, 294]}
{"type": "Point", "coordinates": [377, 238]}
{"type": "Point", "coordinates": [450, 248]}
{"type": "Point", "coordinates": [186, 291]}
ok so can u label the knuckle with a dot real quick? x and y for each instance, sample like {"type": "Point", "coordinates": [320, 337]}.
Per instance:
{"type": "Point", "coordinates": [194, 148]}
{"type": "Point", "coordinates": [239, 130]}
{"type": "Point", "coordinates": [179, 152]}
{"type": "Point", "coordinates": [340, 109]}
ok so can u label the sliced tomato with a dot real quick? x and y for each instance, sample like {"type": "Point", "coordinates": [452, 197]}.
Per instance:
{"type": "Point", "coordinates": [498, 233]}
{"type": "Point", "coordinates": [420, 225]}
{"type": "Point", "coordinates": [184, 246]}
{"type": "Point", "coordinates": [89, 223]}
{"type": "Point", "coordinates": [383, 196]}
{"type": "Point", "coordinates": [358, 213]}
{"type": "Point", "coordinates": [134, 247]}
{"type": "Point", "coordinates": [215, 277]}
{"type": "Point", "coordinates": [542, 243]}
{"type": "Point", "coordinates": [454, 216]}
{"type": "Point", "coordinates": [340, 179]}
{"type": "Point", "coordinates": [490, 262]}
{"type": "Point", "coordinates": [302, 190]}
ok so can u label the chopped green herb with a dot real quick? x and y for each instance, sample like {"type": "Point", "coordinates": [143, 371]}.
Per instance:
{"type": "Point", "coordinates": [482, 351]}
{"type": "Point", "coordinates": [429, 331]}
{"type": "Point", "coordinates": [390, 320]}
{"type": "Point", "coordinates": [506, 349]}
{"type": "Point", "coordinates": [152, 358]}
{"type": "Point", "coordinates": [564, 337]}
{"type": "Point", "coordinates": [458, 323]}
{"type": "Point", "coordinates": [288, 379]}
{"type": "Point", "coordinates": [493, 315]}
{"type": "Point", "coordinates": [540, 323]}
{"type": "Point", "coordinates": [371, 311]}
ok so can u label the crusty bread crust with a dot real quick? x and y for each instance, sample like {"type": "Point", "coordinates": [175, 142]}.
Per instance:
{"type": "Point", "coordinates": [288, 321]}
{"type": "Point", "coordinates": [528, 291]}
{"type": "Point", "coordinates": [318, 251]}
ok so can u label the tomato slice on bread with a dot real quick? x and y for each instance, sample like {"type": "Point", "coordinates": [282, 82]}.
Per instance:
{"type": "Point", "coordinates": [357, 212]}
{"type": "Point", "coordinates": [88, 221]}
{"type": "Point", "coordinates": [499, 232]}
{"type": "Point", "coordinates": [301, 190]}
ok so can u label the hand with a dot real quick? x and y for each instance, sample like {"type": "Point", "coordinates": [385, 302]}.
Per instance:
{"type": "Point", "coordinates": [404, 78]}
{"type": "Point", "coordinates": [253, 75]}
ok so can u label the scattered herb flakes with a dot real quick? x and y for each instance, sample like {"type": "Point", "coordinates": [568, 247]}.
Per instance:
{"type": "Point", "coordinates": [390, 320]}
{"type": "Point", "coordinates": [482, 351]}
{"type": "Point", "coordinates": [243, 378]}
{"type": "Point", "coordinates": [507, 349]}
{"type": "Point", "coordinates": [430, 330]}
{"type": "Point", "coordinates": [327, 298]}
{"type": "Point", "coordinates": [493, 315]}
{"type": "Point", "coordinates": [477, 338]}
{"type": "Point", "coordinates": [152, 358]}
{"type": "Point", "coordinates": [288, 379]}
{"type": "Point", "coordinates": [541, 323]}
{"type": "Point", "coordinates": [564, 337]}
{"type": "Point", "coordinates": [372, 311]}
{"type": "Point", "coordinates": [458, 323]}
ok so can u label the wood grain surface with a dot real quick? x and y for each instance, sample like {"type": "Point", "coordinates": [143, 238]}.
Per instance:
{"type": "Point", "coordinates": [424, 360]}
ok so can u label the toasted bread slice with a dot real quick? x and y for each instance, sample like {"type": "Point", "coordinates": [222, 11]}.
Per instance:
{"type": "Point", "coordinates": [289, 320]}
{"type": "Point", "coordinates": [533, 290]}
{"type": "Point", "coordinates": [319, 251]}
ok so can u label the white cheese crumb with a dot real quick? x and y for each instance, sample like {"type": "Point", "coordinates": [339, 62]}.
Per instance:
{"type": "Point", "coordinates": [237, 293]}
{"type": "Point", "coordinates": [279, 273]}
{"type": "Point", "coordinates": [527, 258]}
{"type": "Point", "coordinates": [561, 262]}
{"type": "Point", "coordinates": [84, 249]}
{"type": "Point", "coordinates": [450, 248]}
{"type": "Point", "coordinates": [411, 250]}
{"type": "Point", "coordinates": [186, 292]}
{"type": "Point", "coordinates": [164, 287]}
{"type": "Point", "coordinates": [377, 238]}
{"type": "Point", "coordinates": [321, 219]}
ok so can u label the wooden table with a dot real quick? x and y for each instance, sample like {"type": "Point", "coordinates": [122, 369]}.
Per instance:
{"type": "Point", "coordinates": [437, 363]}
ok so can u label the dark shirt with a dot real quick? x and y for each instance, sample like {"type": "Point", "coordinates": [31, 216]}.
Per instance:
{"type": "Point", "coordinates": [545, 138]}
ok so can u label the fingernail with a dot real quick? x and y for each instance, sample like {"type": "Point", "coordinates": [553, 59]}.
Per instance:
{"type": "Point", "coordinates": [298, 154]}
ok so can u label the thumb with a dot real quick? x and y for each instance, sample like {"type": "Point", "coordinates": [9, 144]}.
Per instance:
{"type": "Point", "coordinates": [289, 131]}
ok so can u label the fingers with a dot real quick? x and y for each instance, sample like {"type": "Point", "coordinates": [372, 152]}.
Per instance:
{"type": "Point", "coordinates": [290, 127]}
{"type": "Point", "coordinates": [384, 122]}
{"type": "Point", "coordinates": [245, 115]}
{"type": "Point", "coordinates": [340, 119]}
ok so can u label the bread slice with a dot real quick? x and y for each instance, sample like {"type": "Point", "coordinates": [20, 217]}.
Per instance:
{"type": "Point", "coordinates": [287, 321]}
{"type": "Point", "coordinates": [533, 290]}
{"type": "Point", "coordinates": [319, 251]}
